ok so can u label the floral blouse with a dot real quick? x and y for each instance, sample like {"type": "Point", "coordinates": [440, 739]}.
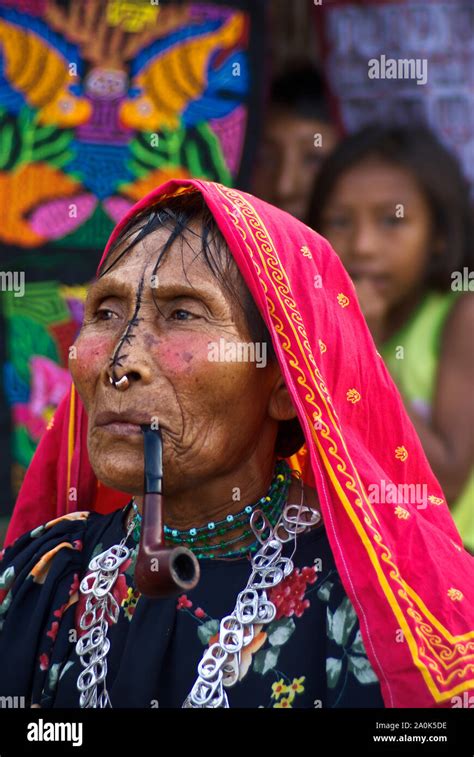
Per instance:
{"type": "Point", "coordinates": [311, 655]}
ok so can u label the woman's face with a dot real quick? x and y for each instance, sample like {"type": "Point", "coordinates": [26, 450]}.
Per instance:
{"type": "Point", "coordinates": [379, 222]}
{"type": "Point", "coordinates": [212, 413]}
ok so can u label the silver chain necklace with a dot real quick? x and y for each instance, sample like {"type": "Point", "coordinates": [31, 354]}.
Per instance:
{"type": "Point", "coordinates": [220, 664]}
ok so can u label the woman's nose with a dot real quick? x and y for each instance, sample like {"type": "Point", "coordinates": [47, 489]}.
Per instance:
{"type": "Point", "coordinates": [130, 362]}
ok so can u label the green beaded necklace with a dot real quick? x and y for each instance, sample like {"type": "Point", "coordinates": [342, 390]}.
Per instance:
{"type": "Point", "coordinates": [197, 539]}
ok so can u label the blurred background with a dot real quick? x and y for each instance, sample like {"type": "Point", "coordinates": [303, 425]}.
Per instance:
{"type": "Point", "coordinates": [356, 117]}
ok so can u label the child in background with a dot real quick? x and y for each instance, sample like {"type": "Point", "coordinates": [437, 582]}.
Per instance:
{"type": "Point", "coordinates": [298, 134]}
{"type": "Point", "coordinates": [394, 204]}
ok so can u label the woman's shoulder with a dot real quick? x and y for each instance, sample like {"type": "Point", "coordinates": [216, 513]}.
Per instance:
{"type": "Point", "coordinates": [64, 526]}
{"type": "Point", "coordinates": [66, 540]}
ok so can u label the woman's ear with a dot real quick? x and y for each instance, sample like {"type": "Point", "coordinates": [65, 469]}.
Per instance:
{"type": "Point", "coordinates": [280, 406]}
{"type": "Point", "coordinates": [290, 437]}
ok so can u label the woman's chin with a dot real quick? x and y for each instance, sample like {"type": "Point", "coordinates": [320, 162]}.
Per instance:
{"type": "Point", "coordinates": [124, 477]}
{"type": "Point", "coordinates": [121, 485]}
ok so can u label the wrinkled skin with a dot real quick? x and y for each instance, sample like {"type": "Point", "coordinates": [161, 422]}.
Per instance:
{"type": "Point", "coordinates": [219, 420]}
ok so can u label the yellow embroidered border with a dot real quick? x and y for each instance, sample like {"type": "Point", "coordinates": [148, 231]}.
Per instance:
{"type": "Point", "coordinates": [70, 439]}
{"type": "Point", "coordinates": [440, 656]}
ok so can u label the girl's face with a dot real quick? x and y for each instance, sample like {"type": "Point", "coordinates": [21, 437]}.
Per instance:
{"type": "Point", "coordinates": [379, 222]}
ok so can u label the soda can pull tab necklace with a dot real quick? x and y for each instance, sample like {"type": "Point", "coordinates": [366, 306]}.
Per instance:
{"type": "Point", "coordinates": [220, 665]}
{"type": "Point", "coordinates": [101, 608]}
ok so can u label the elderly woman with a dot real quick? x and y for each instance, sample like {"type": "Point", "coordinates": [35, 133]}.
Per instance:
{"type": "Point", "coordinates": [324, 580]}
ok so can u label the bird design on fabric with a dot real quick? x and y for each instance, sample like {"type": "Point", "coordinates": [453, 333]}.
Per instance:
{"type": "Point", "coordinates": [93, 114]}
{"type": "Point", "coordinates": [42, 75]}
{"type": "Point", "coordinates": [180, 75]}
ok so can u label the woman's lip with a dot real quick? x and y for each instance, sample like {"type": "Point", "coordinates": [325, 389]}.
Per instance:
{"type": "Point", "coordinates": [122, 428]}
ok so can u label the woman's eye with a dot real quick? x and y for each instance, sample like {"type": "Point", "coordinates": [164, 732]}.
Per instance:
{"type": "Point", "coordinates": [101, 315]}
{"type": "Point", "coordinates": [180, 314]}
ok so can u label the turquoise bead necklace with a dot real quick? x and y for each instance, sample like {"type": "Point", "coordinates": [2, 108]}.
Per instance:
{"type": "Point", "coordinates": [198, 539]}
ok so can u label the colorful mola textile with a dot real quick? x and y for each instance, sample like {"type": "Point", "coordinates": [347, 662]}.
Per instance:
{"type": "Point", "coordinates": [90, 121]}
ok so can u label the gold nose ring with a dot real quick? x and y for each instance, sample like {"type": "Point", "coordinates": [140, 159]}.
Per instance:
{"type": "Point", "coordinates": [121, 384]}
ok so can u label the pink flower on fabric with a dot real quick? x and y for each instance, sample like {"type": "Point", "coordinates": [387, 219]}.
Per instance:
{"type": "Point", "coordinates": [75, 584]}
{"type": "Point", "coordinates": [288, 597]}
{"type": "Point", "coordinates": [120, 590]}
{"type": "Point", "coordinates": [44, 661]}
{"type": "Point", "coordinates": [53, 631]}
{"type": "Point", "coordinates": [183, 602]}
{"type": "Point", "coordinates": [199, 612]}
{"type": "Point", "coordinates": [74, 587]}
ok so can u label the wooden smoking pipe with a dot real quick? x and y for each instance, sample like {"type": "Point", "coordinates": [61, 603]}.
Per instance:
{"type": "Point", "coordinates": [160, 571]}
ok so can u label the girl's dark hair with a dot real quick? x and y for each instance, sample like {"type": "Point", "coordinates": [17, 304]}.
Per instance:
{"type": "Point", "coordinates": [439, 177]}
{"type": "Point", "coordinates": [179, 214]}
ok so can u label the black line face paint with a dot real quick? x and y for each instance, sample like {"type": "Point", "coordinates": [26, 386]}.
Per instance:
{"type": "Point", "coordinates": [179, 227]}
{"type": "Point", "coordinates": [116, 359]}
{"type": "Point", "coordinates": [160, 571]}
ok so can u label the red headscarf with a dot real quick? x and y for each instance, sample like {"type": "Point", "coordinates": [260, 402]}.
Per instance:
{"type": "Point", "coordinates": [402, 563]}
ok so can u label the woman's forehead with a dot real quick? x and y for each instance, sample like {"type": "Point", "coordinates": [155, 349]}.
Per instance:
{"type": "Point", "coordinates": [185, 252]}
{"type": "Point", "coordinates": [200, 259]}
{"type": "Point", "coordinates": [182, 268]}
